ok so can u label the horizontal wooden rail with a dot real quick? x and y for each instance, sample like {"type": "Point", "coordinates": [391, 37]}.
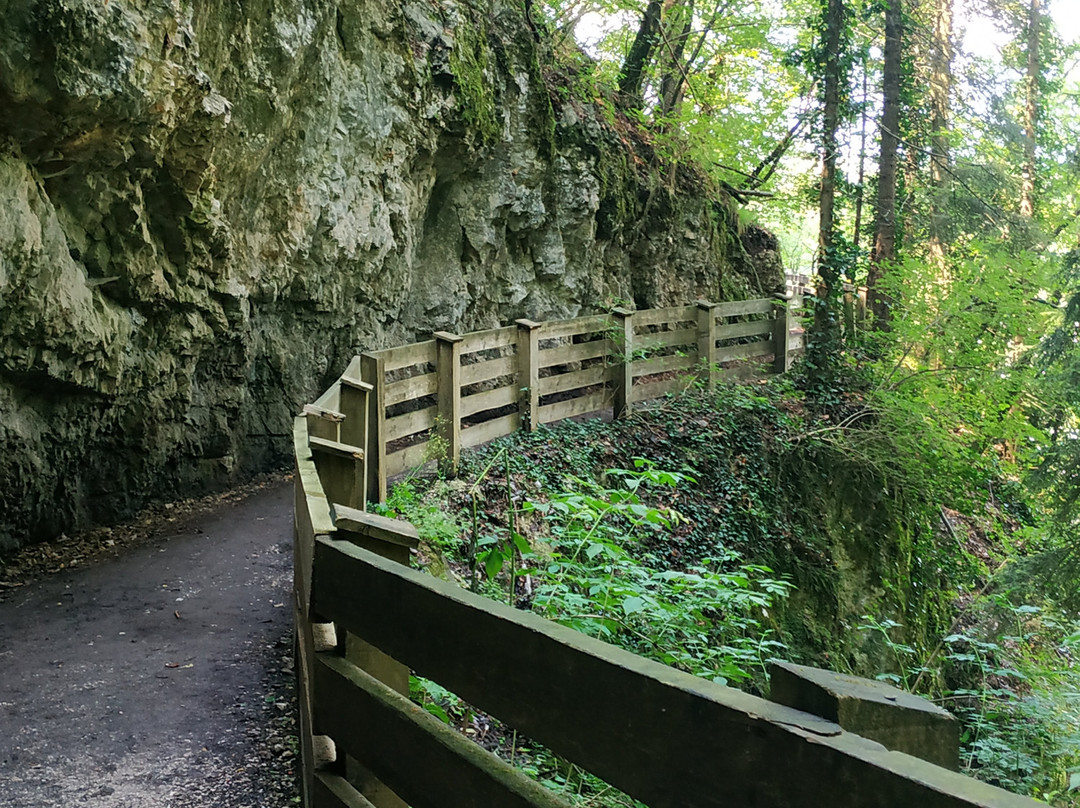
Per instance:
{"type": "Point", "coordinates": [665, 737]}
{"type": "Point", "coordinates": [432, 399]}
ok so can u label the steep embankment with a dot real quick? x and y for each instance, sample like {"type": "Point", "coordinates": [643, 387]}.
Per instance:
{"type": "Point", "coordinates": [205, 209]}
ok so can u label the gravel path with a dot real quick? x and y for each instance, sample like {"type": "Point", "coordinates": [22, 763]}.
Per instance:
{"type": "Point", "coordinates": [161, 676]}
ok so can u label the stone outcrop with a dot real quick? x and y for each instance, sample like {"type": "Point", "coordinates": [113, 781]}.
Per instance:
{"type": "Point", "coordinates": [207, 208]}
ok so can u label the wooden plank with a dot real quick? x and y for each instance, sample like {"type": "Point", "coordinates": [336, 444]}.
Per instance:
{"type": "Point", "coordinates": [406, 459]}
{"type": "Point", "coordinates": [781, 331]}
{"type": "Point", "coordinates": [653, 390]}
{"type": "Point", "coordinates": [598, 374]}
{"type": "Point", "coordinates": [486, 371]}
{"type": "Point", "coordinates": [489, 400]}
{"type": "Point", "coordinates": [330, 399]}
{"type": "Point", "coordinates": [408, 355]}
{"type": "Point", "coordinates": [311, 513]}
{"type": "Point", "coordinates": [739, 330]}
{"type": "Point", "coordinates": [736, 308]}
{"type": "Point", "coordinates": [706, 342]}
{"type": "Point", "coordinates": [322, 446]}
{"type": "Point", "coordinates": [582, 405]}
{"type": "Point", "coordinates": [676, 314]}
{"type": "Point", "coordinates": [392, 531]}
{"type": "Point", "coordinates": [373, 368]}
{"type": "Point", "coordinates": [425, 762]}
{"type": "Point", "coordinates": [748, 351]}
{"type": "Point", "coordinates": [401, 426]}
{"type": "Point", "coordinates": [528, 378]}
{"type": "Point", "coordinates": [354, 429]}
{"type": "Point", "coordinates": [409, 389]}
{"type": "Point", "coordinates": [616, 714]}
{"type": "Point", "coordinates": [590, 324]}
{"type": "Point", "coordinates": [489, 430]}
{"type": "Point", "coordinates": [332, 791]}
{"type": "Point", "coordinates": [622, 378]}
{"type": "Point", "coordinates": [322, 423]}
{"type": "Point", "coordinates": [666, 339]}
{"type": "Point", "coordinates": [323, 413]}
{"type": "Point", "coordinates": [662, 364]}
{"type": "Point", "coordinates": [565, 354]}
{"type": "Point", "coordinates": [487, 340]}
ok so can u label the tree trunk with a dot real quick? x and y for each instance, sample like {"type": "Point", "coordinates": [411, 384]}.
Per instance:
{"type": "Point", "coordinates": [884, 251]}
{"type": "Point", "coordinates": [828, 271]}
{"type": "Point", "coordinates": [675, 29]}
{"type": "Point", "coordinates": [1031, 112]}
{"type": "Point", "coordinates": [940, 93]}
{"type": "Point", "coordinates": [637, 59]}
{"type": "Point", "coordinates": [860, 189]}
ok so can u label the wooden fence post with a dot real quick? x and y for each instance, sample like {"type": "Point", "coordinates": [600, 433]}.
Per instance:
{"type": "Point", "coordinates": [706, 342]}
{"type": "Point", "coordinates": [373, 371]}
{"type": "Point", "coordinates": [860, 306]}
{"type": "Point", "coordinates": [448, 367]}
{"type": "Point", "coordinates": [849, 310]}
{"type": "Point", "coordinates": [392, 539]}
{"type": "Point", "coordinates": [624, 372]}
{"type": "Point", "coordinates": [354, 431]}
{"type": "Point", "coordinates": [781, 333]}
{"type": "Point", "coordinates": [528, 351]}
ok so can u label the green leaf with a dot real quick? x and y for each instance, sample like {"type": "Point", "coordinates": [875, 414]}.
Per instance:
{"type": "Point", "coordinates": [633, 604]}
{"type": "Point", "coordinates": [493, 564]}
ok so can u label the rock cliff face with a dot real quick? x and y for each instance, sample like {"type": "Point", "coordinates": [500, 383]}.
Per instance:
{"type": "Point", "coordinates": [207, 208]}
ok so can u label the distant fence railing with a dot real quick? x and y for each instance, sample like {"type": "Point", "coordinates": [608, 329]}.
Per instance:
{"type": "Point", "coordinates": [365, 621]}
{"type": "Point", "coordinates": [455, 391]}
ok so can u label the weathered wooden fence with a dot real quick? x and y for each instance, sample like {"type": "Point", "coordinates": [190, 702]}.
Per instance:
{"type": "Point", "coordinates": [456, 391]}
{"type": "Point", "coordinates": [364, 620]}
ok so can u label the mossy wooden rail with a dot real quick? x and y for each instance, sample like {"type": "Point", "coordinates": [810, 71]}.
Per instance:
{"type": "Point", "coordinates": [364, 620]}
{"type": "Point", "coordinates": [452, 392]}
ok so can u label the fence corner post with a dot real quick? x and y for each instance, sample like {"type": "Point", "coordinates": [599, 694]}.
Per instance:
{"type": "Point", "coordinates": [781, 332]}
{"type": "Point", "coordinates": [624, 372]}
{"type": "Point", "coordinates": [898, 720]}
{"type": "Point", "coordinates": [706, 342]}
{"type": "Point", "coordinates": [448, 370]}
{"type": "Point", "coordinates": [528, 351]}
{"type": "Point", "coordinates": [354, 432]}
{"type": "Point", "coordinates": [373, 371]}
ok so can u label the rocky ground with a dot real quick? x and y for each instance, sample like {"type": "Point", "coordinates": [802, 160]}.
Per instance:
{"type": "Point", "coordinates": [151, 664]}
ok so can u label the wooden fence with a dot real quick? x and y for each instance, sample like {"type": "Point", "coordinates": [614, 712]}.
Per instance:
{"type": "Point", "coordinates": [365, 620]}
{"type": "Point", "coordinates": [453, 392]}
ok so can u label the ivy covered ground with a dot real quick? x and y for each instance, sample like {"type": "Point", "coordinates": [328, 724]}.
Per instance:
{"type": "Point", "coordinates": [719, 530]}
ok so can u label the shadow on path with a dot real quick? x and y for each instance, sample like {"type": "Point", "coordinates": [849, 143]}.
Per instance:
{"type": "Point", "coordinates": [161, 677]}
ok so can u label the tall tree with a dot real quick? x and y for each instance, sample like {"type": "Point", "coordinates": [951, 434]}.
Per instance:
{"type": "Point", "coordinates": [1031, 110]}
{"type": "Point", "coordinates": [884, 250]}
{"type": "Point", "coordinates": [632, 74]}
{"type": "Point", "coordinates": [941, 81]}
{"type": "Point", "coordinates": [833, 75]}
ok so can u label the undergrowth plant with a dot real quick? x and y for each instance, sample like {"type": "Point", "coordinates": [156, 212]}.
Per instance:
{"type": "Point", "coordinates": [1017, 695]}
{"type": "Point", "coordinates": [709, 619]}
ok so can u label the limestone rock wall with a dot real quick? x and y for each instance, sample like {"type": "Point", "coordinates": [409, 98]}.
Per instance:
{"type": "Point", "coordinates": [207, 208]}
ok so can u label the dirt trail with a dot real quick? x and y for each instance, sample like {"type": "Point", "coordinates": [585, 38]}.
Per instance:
{"type": "Point", "coordinates": [161, 677]}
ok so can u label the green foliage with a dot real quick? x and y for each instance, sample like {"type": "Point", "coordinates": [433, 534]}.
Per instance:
{"type": "Point", "coordinates": [436, 526]}
{"type": "Point", "coordinates": [470, 59]}
{"type": "Point", "coordinates": [704, 619]}
{"type": "Point", "coordinates": [1017, 694]}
